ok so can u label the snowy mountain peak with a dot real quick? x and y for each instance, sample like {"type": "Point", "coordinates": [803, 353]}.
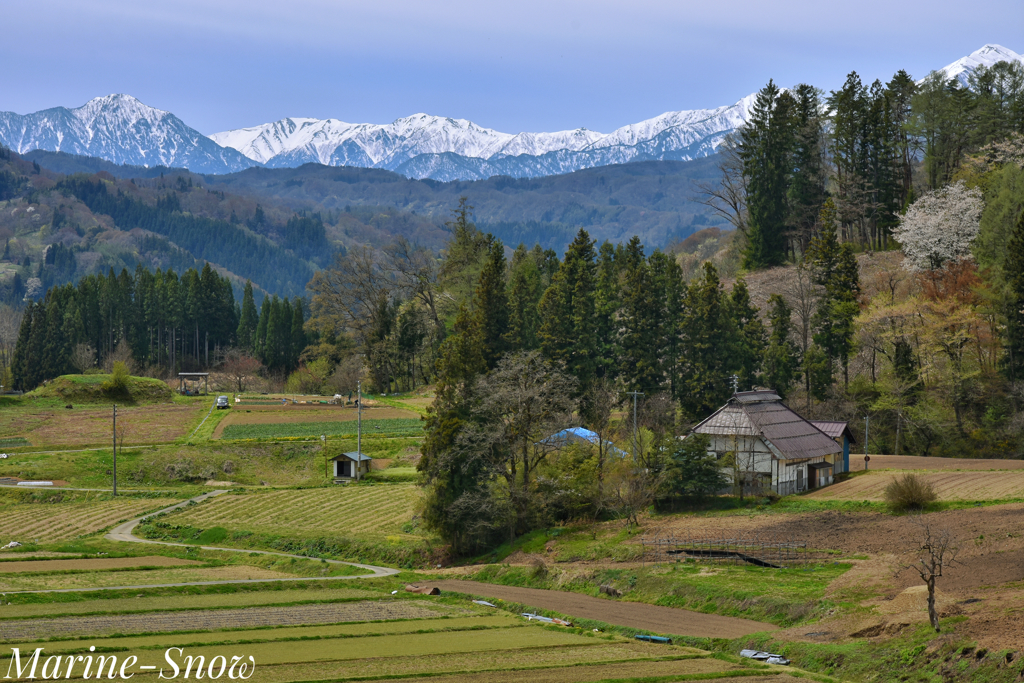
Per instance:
{"type": "Point", "coordinates": [122, 129]}
{"type": "Point", "coordinates": [988, 55]}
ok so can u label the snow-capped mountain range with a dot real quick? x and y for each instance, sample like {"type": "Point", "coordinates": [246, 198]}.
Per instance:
{"type": "Point", "coordinates": [121, 129]}
{"type": "Point", "coordinates": [124, 130]}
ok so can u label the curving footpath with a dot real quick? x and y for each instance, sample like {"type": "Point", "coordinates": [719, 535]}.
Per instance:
{"type": "Point", "coordinates": [123, 533]}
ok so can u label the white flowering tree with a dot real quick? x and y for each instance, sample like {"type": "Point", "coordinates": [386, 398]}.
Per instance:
{"type": "Point", "coordinates": [940, 226]}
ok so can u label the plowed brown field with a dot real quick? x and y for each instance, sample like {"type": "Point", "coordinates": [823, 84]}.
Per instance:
{"type": "Point", "coordinates": [949, 485]}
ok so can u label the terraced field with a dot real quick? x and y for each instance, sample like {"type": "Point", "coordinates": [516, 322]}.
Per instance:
{"type": "Point", "coordinates": [313, 512]}
{"type": "Point", "coordinates": [333, 428]}
{"type": "Point", "coordinates": [44, 523]}
{"type": "Point", "coordinates": [949, 485]}
{"type": "Point", "coordinates": [428, 640]}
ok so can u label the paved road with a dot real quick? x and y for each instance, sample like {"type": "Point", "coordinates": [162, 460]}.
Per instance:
{"type": "Point", "coordinates": [669, 620]}
{"type": "Point", "coordinates": [123, 533]}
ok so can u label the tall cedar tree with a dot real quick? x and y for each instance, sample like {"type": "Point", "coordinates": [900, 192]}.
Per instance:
{"type": "Point", "coordinates": [248, 320]}
{"type": "Point", "coordinates": [766, 143]}
{"type": "Point", "coordinates": [834, 269]}
{"type": "Point", "coordinates": [640, 332]}
{"type": "Point", "coordinates": [781, 357]}
{"type": "Point", "coordinates": [706, 333]}
{"type": "Point", "coordinates": [749, 340]}
{"type": "Point", "coordinates": [524, 292]}
{"type": "Point", "coordinates": [454, 484]}
{"type": "Point", "coordinates": [606, 306]}
{"type": "Point", "coordinates": [1014, 271]}
{"type": "Point", "coordinates": [807, 188]}
{"type": "Point", "coordinates": [568, 332]}
{"type": "Point", "coordinates": [491, 304]}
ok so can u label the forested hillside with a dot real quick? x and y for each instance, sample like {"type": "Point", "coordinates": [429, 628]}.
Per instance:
{"type": "Point", "coordinates": [652, 200]}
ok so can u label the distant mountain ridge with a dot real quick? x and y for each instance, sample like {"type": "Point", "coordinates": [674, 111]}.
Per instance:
{"type": "Point", "coordinates": [424, 146]}
{"type": "Point", "coordinates": [123, 130]}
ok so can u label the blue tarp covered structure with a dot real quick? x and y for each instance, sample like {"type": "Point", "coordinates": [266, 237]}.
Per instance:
{"type": "Point", "coordinates": [573, 435]}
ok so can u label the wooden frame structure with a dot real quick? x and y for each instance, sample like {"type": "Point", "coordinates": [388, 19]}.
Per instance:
{"type": "Point", "coordinates": [196, 379]}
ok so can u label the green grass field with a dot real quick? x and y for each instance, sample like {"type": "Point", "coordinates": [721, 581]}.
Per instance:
{"type": "Point", "coordinates": [295, 430]}
{"type": "Point", "coordinates": [338, 510]}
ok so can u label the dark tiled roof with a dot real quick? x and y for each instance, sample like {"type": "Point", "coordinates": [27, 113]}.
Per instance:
{"type": "Point", "coordinates": [793, 436]}
{"type": "Point", "coordinates": [835, 428]}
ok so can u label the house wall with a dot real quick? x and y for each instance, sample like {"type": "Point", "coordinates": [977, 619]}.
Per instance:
{"type": "Point", "coordinates": [756, 458]}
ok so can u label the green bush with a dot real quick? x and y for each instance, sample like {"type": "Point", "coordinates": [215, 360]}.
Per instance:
{"type": "Point", "coordinates": [909, 492]}
{"type": "Point", "coordinates": [214, 535]}
{"type": "Point", "coordinates": [117, 385]}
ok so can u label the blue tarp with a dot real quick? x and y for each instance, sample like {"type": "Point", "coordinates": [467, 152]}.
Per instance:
{"type": "Point", "coordinates": [578, 435]}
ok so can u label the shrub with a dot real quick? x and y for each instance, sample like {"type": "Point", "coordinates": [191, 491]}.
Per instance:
{"type": "Point", "coordinates": [117, 385]}
{"type": "Point", "coordinates": [909, 492]}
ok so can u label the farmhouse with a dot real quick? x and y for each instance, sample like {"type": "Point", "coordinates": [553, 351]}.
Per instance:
{"type": "Point", "coordinates": [348, 466]}
{"type": "Point", "coordinates": [770, 446]}
{"type": "Point", "coordinates": [840, 431]}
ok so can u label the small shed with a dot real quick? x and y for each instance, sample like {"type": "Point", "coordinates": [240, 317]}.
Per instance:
{"type": "Point", "coordinates": [347, 466]}
{"type": "Point", "coordinates": [840, 431]}
{"type": "Point", "coordinates": [773, 447]}
{"type": "Point", "coordinates": [193, 383]}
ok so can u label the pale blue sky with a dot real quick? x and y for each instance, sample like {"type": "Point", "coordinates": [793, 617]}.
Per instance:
{"type": "Point", "coordinates": [536, 65]}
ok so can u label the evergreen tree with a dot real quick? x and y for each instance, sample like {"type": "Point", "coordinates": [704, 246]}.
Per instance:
{"type": "Point", "coordinates": [455, 506]}
{"type": "Point", "coordinates": [781, 357]}
{"type": "Point", "coordinates": [298, 334]}
{"type": "Point", "coordinates": [491, 304]}
{"type": "Point", "coordinates": [834, 269]}
{"type": "Point", "coordinates": [749, 341]}
{"type": "Point", "coordinates": [606, 307]}
{"type": "Point", "coordinates": [1013, 269]}
{"type": "Point", "coordinates": [524, 292]}
{"type": "Point", "coordinates": [807, 188]}
{"type": "Point", "coordinates": [766, 142]}
{"type": "Point", "coordinates": [705, 340]}
{"type": "Point", "coordinates": [568, 330]}
{"type": "Point", "coordinates": [260, 339]}
{"type": "Point", "coordinates": [640, 361]}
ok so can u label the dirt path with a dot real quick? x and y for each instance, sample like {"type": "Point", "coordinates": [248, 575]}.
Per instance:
{"type": "Point", "coordinates": [631, 614]}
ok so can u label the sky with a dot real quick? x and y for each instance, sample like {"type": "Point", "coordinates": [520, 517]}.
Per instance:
{"type": "Point", "coordinates": [528, 65]}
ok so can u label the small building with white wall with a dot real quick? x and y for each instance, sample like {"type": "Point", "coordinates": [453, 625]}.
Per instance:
{"type": "Point", "coordinates": [774, 448]}
{"type": "Point", "coordinates": [349, 466]}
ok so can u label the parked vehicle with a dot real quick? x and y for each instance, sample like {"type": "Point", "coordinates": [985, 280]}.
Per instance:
{"type": "Point", "coordinates": [222, 402]}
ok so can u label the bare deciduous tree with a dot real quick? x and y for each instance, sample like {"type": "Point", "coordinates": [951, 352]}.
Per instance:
{"type": "Point", "coordinates": [83, 357]}
{"type": "Point", "coordinates": [242, 368]}
{"type": "Point", "coordinates": [933, 553]}
{"type": "Point", "coordinates": [728, 196]}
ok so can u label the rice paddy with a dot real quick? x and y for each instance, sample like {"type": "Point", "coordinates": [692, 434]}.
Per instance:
{"type": "Point", "coordinates": [339, 510]}
{"type": "Point", "coordinates": [333, 428]}
{"type": "Point", "coordinates": [46, 522]}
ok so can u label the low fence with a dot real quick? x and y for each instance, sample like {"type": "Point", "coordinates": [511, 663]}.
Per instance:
{"type": "Point", "coordinates": [758, 550]}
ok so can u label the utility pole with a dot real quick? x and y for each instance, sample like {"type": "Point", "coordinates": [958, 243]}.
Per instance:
{"type": "Point", "coordinates": [359, 428]}
{"type": "Point", "coordinates": [867, 423]}
{"type": "Point", "coordinates": [115, 448]}
{"type": "Point", "coordinates": [634, 394]}
{"type": "Point", "coordinates": [735, 384]}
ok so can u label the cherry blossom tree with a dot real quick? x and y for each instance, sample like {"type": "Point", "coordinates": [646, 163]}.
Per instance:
{"type": "Point", "coordinates": [940, 226]}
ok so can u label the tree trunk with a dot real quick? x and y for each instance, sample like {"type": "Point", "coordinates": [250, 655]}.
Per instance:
{"type": "Point", "coordinates": [933, 617]}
